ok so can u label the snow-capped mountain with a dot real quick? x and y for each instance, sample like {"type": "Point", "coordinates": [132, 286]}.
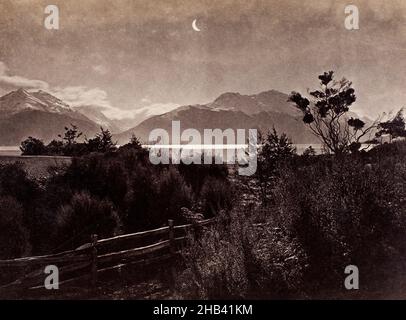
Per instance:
{"type": "Point", "coordinates": [22, 100]}
{"type": "Point", "coordinates": [38, 114]}
{"type": "Point", "coordinates": [232, 110]}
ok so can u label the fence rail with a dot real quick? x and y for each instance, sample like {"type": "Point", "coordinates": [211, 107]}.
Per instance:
{"type": "Point", "coordinates": [95, 257]}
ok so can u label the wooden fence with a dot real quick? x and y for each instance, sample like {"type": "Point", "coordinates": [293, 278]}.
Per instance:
{"type": "Point", "coordinates": [100, 256]}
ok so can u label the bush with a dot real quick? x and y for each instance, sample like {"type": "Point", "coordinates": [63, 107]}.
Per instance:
{"type": "Point", "coordinates": [55, 147]}
{"type": "Point", "coordinates": [236, 259]}
{"type": "Point", "coordinates": [196, 174]}
{"type": "Point", "coordinates": [216, 195]}
{"type": "Point", "coordinates": [173, 194]}
{"type": "Point", "coordinates": [32, 146]}
{"type": "Point", "coordinates": [215, 266]}
{"type": "Point", "coordinates": [337, 210]}
{"type": "Point", "coordinates": [327, 212]}
{"type": "Point", "coordinates": [120, 186]}
{"type": "Point", "coordinates": [276, 151]}
{"type": "Point", "coordinates": [84, 216]}
{"type": "Point", "coordinates": [156, 197]}
{"type": "Point", "coordinates": [15, 182]}
{"type": "Point", "coordinates": [14, 237]}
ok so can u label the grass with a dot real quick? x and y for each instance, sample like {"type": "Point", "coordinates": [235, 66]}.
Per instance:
{"type": "Point", "coordinates": [37, 166]}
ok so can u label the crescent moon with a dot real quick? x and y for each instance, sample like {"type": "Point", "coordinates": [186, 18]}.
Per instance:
{"type": "Point", "coordinates": [194, 26]}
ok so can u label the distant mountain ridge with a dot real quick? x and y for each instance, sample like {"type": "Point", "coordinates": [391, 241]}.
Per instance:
{"type": "Point", "coordinates": [38, 114]}
{"type": "Point", "coordinates": [94, 114]}
{"type": "Point", "coordinates": [267, 101]}
{"type": "Point", "coordinates": [22, 100]}
{"type": "Point", "coordinates": [261, 111]}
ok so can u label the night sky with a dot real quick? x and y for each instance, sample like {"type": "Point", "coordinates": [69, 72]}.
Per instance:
{"type": "Point", "coordinates": [125, 56]}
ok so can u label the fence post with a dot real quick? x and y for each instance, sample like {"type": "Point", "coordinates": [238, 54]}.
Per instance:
{"type": "Point", "coordinates": [94, 260]}
{"type": "Point", "coordinates": [172, 248]}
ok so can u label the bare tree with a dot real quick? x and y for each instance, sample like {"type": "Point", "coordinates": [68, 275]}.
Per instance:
{"type": "Point", "coordinates": [327, 114]}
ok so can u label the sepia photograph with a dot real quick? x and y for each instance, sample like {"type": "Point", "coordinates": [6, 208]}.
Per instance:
{"type": "Point", "coordinates": [174, 150]}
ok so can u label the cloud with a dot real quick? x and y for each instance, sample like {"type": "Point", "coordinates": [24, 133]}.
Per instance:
{"type": "Point", "coordinates": [75, 96]}
{"type": "Point", "coordinates": [19, 82]}
{"type": "Point", "coordinates": [155, 109]}
{"type": "Point", "coordinates": [80, 96]}
{"type": "Point", "coordinates": [100, 69]}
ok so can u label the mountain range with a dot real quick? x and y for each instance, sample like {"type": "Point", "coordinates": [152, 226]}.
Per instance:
{"type": "Point", "coordinates": [41, 115]}
{"type": "Point", "coordinates": [261, 111]}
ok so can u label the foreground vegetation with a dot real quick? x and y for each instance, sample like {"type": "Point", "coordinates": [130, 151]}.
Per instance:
{"type": "Point", "coordinates": [321, 214]}
{"type": "Point", "coordinates": [289, 231]}
{"type": "Point", "coordinates": [102, 193]}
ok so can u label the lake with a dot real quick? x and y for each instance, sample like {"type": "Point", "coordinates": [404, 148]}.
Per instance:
{"type": "Point", "coordinates": [10, 151]}
{"type": "Point", "coordinates": [300, 148]}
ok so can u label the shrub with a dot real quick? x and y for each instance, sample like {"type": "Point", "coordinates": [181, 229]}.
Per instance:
{"type": "Point", "coordinates": [55, 147]}
{"type": "Point", "coordinates": [215, 266]}
{"type": "Point", "coordinates": [156, 197]}
{"type": "Point", "coordinates": [32, 146]}
{"type": "Point", "coordinates": [237, 259]}
{"type": "Point", "coordinates": [196, 174]}
{"type": "Point", "coordinates": [99, 175]}
{"type": "Point", "coordinates": [336, 210]}
{"type": "Point", "coordinates": [14, 237]}
{"type": "Point", "coordinates": [140, 200]}
{"type": "Point", "coordinates": [173, 194]}
{"type": "Point", "coordinates": [216, 195]}
{"type": "Point", "coordinates": [86, 215]}
{"type": "Point", "coordinates": [15, 182]}
{"type": "Point", "coordinates": [276, 150]}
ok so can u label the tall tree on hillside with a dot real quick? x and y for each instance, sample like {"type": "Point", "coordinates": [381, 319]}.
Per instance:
{"type": "Point", "coordinates": [327, 114]}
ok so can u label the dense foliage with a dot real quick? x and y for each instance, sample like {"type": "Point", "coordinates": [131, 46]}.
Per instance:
{"type": "Point", "coordinates": [106, 193]}
{"type": "Point", "coordinates": [69, 144]}
{"type": "Point", "coordinates": [325, 213]}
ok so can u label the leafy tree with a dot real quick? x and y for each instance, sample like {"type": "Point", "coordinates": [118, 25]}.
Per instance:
{"type": "Point", "coordinates": [134, 144]}
{"type": "Point", "coordinates": [55, 147]}
{"type": "Point", "coordinates": [71, 147]}
{"type": "Point", "coordinates": [32, 146]}
{"type": "Point", "coordinates": [395, 127]}
{"type": "Point", "coordinates": [102, 142]}
{"type": "Point", "coordinates": [326, 114]}
{"type": "Point", "coordinates": [71, 135]}
{"type": "Point", "coordinates": [134, 141]}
